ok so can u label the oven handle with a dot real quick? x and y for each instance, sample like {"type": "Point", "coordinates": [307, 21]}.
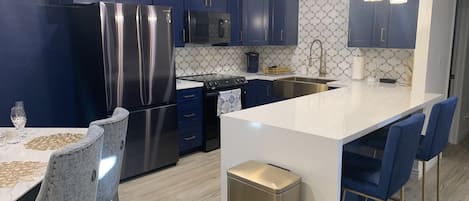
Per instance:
{"type": "Point", "coordinates": [211, 94]}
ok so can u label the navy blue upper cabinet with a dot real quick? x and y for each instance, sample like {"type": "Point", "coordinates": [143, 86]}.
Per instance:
{"type": "Point", "coordinates": [391, 25]}
{"type": "Point", "coordinates": [284, 22]}
{"type": "Point", "coordinates": [236, 11]}
{"type": "Point", "coordinates": [360, 23]}
{"type": "Point", "coordinates": [255, 22]}
{"type": "Point", "coordinates": [178, 18]}
{"type": "Point", "coordinates": [206, 5]}
{"type": "Point", "coordinates": [403, 25]}
{"type": "Point", "coordinates": [380, 28]}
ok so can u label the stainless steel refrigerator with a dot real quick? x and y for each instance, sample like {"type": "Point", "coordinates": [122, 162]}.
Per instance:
{"type": "Point", "coordinates": [140, 76]}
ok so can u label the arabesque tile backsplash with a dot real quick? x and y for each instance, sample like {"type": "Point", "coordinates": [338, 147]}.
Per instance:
{"type": "Point", "coordinates": [326, 20]}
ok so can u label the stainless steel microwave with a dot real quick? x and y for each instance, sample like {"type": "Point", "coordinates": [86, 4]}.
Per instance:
{"type": "Point", "coordinates": [208, 28]}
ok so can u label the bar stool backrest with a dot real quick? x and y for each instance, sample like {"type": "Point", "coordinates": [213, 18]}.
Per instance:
{"type": "Point", "coordinates": [438, 130]}
{"type": "Point", "coordinates": [399, 153]}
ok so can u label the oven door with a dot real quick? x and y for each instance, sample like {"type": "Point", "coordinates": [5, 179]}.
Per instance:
{"type": "Point", "coordinates": [211, 119]}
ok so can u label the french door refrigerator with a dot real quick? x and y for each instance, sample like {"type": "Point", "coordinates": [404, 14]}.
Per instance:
{"type": "Point", "coordinates": [140, 76]}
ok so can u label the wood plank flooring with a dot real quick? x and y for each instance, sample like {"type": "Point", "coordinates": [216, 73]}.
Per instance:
{"type": "Point", "coordinates": [197, 177]}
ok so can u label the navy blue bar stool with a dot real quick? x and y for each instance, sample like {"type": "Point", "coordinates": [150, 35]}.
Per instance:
{"type": "Point", "coordinates": [377, 179]}
{"type": "Point", "coordinates": [431, 144]}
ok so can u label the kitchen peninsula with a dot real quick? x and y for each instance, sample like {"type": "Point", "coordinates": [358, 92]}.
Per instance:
{"type": "Point", "coordinates": [306, 134]}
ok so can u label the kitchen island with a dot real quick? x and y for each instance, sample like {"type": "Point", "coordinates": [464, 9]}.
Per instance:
{"type": "Point", "coordinates": [306, 135]}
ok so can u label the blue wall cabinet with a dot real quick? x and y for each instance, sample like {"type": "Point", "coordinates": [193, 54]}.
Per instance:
{"type": "Point", "coordinates": [190, 119]}
{"type": "Point", "coordinates": [403, 25]}
{"type": "Point", "coordinates": [360, 23]}
{"type": "Point", "coordinates": [178, 19]}
{"type": "Point", "coordinates": [236, 11]}
{"type": "Point", "coordinates": [380, 24]}
{"type": "Point", "coordinates": [391, 25]}
{"type": "Point", "coordinates": [255, 22]}
{"type": "Point", "coordinates": [206, 5]}
{"type": "Point", "coordinates": [284, 22]}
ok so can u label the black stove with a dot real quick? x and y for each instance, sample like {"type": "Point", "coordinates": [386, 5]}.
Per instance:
{"type": "Point", "coordinates": [215, 82]}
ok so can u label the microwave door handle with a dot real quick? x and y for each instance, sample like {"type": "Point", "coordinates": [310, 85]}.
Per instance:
{"type": "Point", "coordinates": [221, 28]}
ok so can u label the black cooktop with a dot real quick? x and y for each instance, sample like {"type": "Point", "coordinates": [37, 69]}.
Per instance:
{"type": "Point", "coordinates": [209, 77]}
{"type": "Point", "coordinates": [217, 81]}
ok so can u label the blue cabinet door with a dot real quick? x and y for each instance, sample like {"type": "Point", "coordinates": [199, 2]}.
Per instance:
{"type": "Point", "coordinates": [403, 24]}
{"type": "Point", "coordinates": [206, 5]}
{"type": "Point", "coordinates": [178, 22]}
{"type": "Point", "coordinates": [284, 22]}
{"type": "Point", "coordinates": [178, 19]}
{"type": "Point", "coordinates": [255, 22]}
{"type": "Point", "coordinates": [360, 23]}
{"type": "Point", "coordinates": [236, 11]}
{"type": "Point", "coordinates": [198, 5]}
{"type": "Point", "coordinates": [218, 5]}
{"type": "Point", "coordinates": [380, 26]}
{"type": "Point", "coordinates": [260, 92]}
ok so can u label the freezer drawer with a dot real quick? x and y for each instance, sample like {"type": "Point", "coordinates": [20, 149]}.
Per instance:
{"type": "Point", "coordinates": [152, 141]}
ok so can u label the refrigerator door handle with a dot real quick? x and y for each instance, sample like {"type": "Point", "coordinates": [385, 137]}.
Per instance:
{"type": "Point", "coordinates": [141, 74]}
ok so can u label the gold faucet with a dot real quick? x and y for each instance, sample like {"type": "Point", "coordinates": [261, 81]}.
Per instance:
{"type": "Point", "coordinates": [322, 62]}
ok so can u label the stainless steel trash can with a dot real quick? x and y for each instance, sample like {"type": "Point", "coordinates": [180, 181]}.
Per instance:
{"type": "Point", "coordinates": [254, 181]}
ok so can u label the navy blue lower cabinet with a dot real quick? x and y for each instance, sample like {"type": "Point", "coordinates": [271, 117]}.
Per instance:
{"type": "Point", "coordinates": [190, 119]}
{"type": "Point", "coordinates": [260, 92]}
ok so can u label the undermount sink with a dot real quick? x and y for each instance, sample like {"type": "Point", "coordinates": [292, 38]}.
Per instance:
{"type": "Point", "coordinates": [309, 80]}
{"type": "Point", "coordinates": [293, 87]}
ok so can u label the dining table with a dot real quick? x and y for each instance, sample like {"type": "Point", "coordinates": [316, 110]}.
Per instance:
{"type": "Point", "coordinates": [23, 165]}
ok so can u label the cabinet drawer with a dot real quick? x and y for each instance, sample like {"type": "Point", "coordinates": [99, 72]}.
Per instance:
{"type": "Point", "coordinates": [190, 140]}
{"type": "Point", "coordinates": [189, 96]}
{"type": "Point", "coordinates": [190, 113]}
{"type": "Point", "coordinates": [187, 128]}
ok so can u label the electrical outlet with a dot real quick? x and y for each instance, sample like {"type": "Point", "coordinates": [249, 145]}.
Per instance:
{"type": "Point", "coordinates": [466, 116]}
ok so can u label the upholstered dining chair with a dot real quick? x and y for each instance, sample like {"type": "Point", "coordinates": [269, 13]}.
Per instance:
{"type": "Point", "coordinates": [115, 132]}
{"type": "Point", "coordinates": [433, 143]}
{"type": "Point", "coordinates": [72, 173]}
{"type": "Point", "coordinates": [377, 179]}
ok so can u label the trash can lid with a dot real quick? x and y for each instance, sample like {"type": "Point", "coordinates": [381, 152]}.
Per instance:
{"type": "Point", "coordinates": [267, 177]}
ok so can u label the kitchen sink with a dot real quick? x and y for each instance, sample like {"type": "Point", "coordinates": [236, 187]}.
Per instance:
{"type": "Point", "coordinates": [293, 87]}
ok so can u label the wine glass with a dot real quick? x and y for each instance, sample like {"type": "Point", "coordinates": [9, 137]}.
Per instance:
{"type": "Point", "coordinates": [18, 118]}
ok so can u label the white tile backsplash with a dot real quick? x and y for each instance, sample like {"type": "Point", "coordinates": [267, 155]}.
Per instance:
{"type": "Point", "coordinates": [326, 20]}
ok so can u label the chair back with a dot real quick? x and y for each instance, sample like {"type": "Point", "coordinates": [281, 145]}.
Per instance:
{"type": "Point", "coordinates": [399, 153]}
{"type": "Point", "coordinates": [72, 173]}
{"type": "Point", "coordinates": [115, 132]}
{"type": "Point", "coordinates": [438, 130]}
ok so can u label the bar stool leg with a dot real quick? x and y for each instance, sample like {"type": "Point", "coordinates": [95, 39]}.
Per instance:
{"type": "Point", "coordinates": [344, 192]}
{"type": "Point", "coordinates": [438, 179]}
{"type": "Point", "coordinates": [423, 181]}
{"type": "Point", "coordinates": [402, 194]}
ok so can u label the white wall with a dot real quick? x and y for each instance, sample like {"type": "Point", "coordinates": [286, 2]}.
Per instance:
{"type": "Point", "coordinates": [433, 51]}
{"type": "Point", "coordinates": [434, 46]}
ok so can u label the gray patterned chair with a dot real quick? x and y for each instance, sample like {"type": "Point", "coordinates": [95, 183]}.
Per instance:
{"type": "Point", "coordinates": [115, 132]}
{"type": "Point", "coordinates": [72, 172]}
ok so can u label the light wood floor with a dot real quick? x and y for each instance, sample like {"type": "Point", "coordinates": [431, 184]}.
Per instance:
{"type": "Point", "coordinates": [197, 177]}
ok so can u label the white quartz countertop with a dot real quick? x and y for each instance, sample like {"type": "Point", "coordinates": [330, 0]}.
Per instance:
{"type": "Point", "coordinates": [184, 84]}
{"type": "Point", "coordinates": [342, 114]}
